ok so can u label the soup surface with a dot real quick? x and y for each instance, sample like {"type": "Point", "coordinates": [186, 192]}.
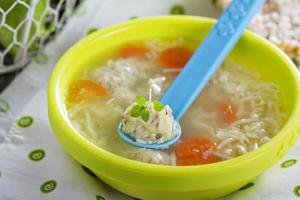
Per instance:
{"type": "Point", "coordinates": [236, 113]}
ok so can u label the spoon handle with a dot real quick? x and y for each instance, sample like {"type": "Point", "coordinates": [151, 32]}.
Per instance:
{"type": "Point", "coordinates": [210, 55]}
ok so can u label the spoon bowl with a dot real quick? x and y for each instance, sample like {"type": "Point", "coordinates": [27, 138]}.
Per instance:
{"type": "Point", "coordinates": [144, 144]}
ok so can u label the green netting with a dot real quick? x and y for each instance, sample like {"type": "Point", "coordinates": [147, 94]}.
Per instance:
{"type": "Point", "coordinates": [27, 25]}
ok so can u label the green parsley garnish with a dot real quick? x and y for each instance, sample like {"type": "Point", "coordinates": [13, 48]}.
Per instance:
{"type": "Point", "coordinates": [140, 110]}
{"type": "Point", "coordinates": [141, 100]}
{"type": "Point", "coordinates": [145, 115]}
{"type": "Point", "coordinates": [136, 111]}
{"type": "Point", "coordinates": [158, 106]}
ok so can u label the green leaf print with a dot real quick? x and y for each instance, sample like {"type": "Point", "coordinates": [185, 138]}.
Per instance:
{"type": "Point", "coordinates": [297, 190]}
{"type": "Point", "coordinates": [48, 186]}
{"type": "Point", "coordinates": [288, 163]}
{"type": "Point", "coordinates": [134, 17]}
{"type": "Point", "coordinates": [177, 10]}
{"type": "Point", "coordinates": [248, 185]}
{"type": "Point", "coordinates": [25, 121]}
{"type": "Point", "coordinates": [91, 30]}
{"type": "Point", "coordinates": [88, 171]}
{"type": "Point", "coordinates": [36, 155]}
{"type": "Point", "coordinates": [99, 197]}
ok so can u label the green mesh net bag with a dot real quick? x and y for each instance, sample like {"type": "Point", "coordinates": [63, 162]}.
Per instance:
{"type": "Point", "coordinates": [26, 26]}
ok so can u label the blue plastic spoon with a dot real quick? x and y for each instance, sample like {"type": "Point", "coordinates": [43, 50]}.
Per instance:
{"type": "Point", "coordinates": [203, 65]}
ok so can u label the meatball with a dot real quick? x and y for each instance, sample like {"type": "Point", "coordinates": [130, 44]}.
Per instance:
{"type": "Point", "coordinates": [156, 126]}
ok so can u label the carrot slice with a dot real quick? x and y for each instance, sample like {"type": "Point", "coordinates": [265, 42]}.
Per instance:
{"type": "Point", "coordinates": [133, 51]}
{"type": "Point", "coordinates": [228, 112]}
{"type": "Point", "coordinates": [195, 150]}
{"type": "Point", "coordinates": [85, 89]}
{"type": "Point", "coordinates": [175, 57]}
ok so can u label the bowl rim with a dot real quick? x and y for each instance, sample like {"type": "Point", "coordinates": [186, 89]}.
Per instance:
{"type": "Point", "coordinates": [55, 105]}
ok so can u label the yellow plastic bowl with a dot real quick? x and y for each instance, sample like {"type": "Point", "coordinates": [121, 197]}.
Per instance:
{"type": "Point", "coordinates": [147, 181]}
